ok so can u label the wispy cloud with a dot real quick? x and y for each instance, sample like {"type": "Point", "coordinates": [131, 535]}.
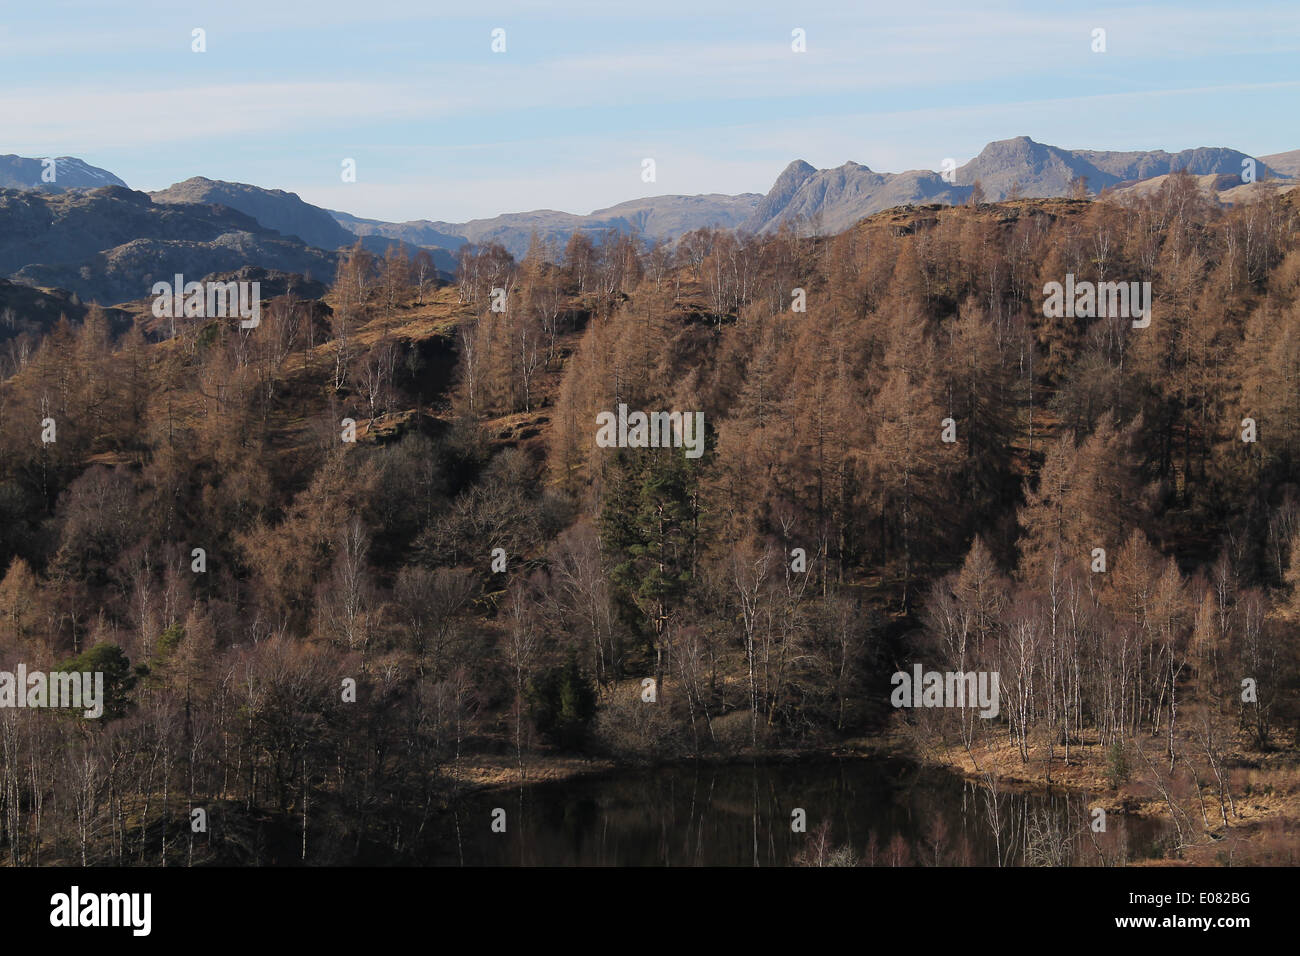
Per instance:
{"type": "Point", "coordinates": [202, 114]}
{"type": "Point", "coordinates": [443, 128]}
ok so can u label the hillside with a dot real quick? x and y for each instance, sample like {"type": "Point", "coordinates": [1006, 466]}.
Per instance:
{"type": "Point", "coordinates": [406, 488]}
{"type": "Point", "coordinates": [275, 209]}
{"type": "Point", "coordinates": [1285, 164]}
{"type": "Point", "coordinates": [111, 244]}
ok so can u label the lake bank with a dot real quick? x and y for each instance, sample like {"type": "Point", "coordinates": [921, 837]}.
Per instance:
{"type": "Point", "coordinates": [870, 803]}
{"type": "Point", "coordinates": [1264, 790]}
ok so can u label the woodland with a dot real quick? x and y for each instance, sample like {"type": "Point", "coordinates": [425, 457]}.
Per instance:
{"type": "Point", "coordinates": [314, 639]}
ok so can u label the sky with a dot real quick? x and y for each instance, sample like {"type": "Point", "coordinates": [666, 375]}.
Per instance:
{"type": "Point", "coordinates": [442, 127]}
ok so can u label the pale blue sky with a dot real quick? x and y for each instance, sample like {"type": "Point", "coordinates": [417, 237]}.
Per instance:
{"type": "Point", "coordinates": [443, 128]}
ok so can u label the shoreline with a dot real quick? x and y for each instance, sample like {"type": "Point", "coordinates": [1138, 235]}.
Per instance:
{"type": "Point", "coordinates": [1264, 789]}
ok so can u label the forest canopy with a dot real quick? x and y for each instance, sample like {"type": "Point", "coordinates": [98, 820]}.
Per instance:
{"type": "Point", "coordinates": [906, 460]}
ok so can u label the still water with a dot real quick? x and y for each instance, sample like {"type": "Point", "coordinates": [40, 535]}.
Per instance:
{"type": "Point", "coordinates": [861, 811]}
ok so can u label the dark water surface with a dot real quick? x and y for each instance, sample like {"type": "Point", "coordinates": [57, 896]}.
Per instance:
{"type": "Point", "coordinates": [884, 812]}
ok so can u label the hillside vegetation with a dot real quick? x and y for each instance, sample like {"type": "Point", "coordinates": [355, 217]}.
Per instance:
{"type": "Point", "coordinates": [495, 583]}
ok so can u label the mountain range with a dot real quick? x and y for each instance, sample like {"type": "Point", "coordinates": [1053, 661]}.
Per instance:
{"type": "Point", "coordinates": [88, 233]}
{"type": "Point", "coordinates": [657, 217]}
{"type": "Point", "coordinates": [835, 199]}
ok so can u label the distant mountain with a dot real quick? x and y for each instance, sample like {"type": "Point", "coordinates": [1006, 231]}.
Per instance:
{"type": "Point", "coordinates": [1287, 164]}
{"type": "Point", "coordinates": [771, 206]}
{"type": "Point", "coordinates": [111, 244]}
{"type": "Point", "coordinates": [831, 200]}
{"type": "Point", "coordinates": [418, 232]}
{"type": "Point", "coordinates": [287, 214]}
{"type": "Point", "coordinates": [657, 217]}
{"type": "Point", "coordinates": [837, 198]}
{"type": "Point", "coordinates": [16, 172]}
{"type": "Point", "coordinates": [275, 209]}
{"type": "Point", "coordinates": [1043, 171]}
